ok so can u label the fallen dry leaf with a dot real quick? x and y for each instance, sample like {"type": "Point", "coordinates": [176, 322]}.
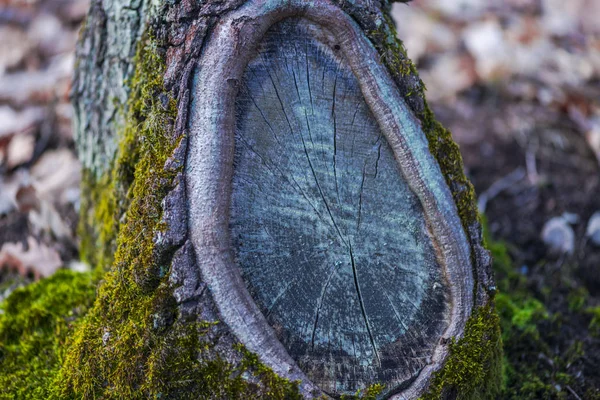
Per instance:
{"type": "Point", "coordinates": [465, 10]}
{"type": "Point", "coordinates": [13, 47]}
{"type": "Point", "coordinates": [49, 36]}
{"type": "Point", "coordinates": [20, 149]}
{"type": "Point", "coordinates": [486, 42]}
{"type": "Point", "coordinates": [47, 219]}
{"type": "Point", "coordinates": [74, 11]}
{"type": "Point", "coordinates": [6, 200]}
{"type": "Point", "coordinates": [12, 122]}
{"type": "Point", "coordinates": [39, 259]}
{"type": "Point", "coordinates": [27, 199]}
{"type": "Point", "coordinates": [55, 174]}
{"type": "Point", "coordinates": [42, 215]}
{"type": "Point", "coordinates": [439, 84]}
{"type": "Point", "coordinates": [422, 34]}
{"type": "Point", "coordinates": [39, 182]}
{"type": "Point", "coordinates": [19, 88]}
{"type": "Point", "coordinates": [9, 186]}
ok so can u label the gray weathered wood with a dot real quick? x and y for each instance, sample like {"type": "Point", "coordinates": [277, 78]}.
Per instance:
{"type": "Point", "coordinates": [332, 242]}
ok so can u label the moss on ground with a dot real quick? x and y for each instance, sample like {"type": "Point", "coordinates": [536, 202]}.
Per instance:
{"type": "Point", "coordinates": [36, 322]}
{"type": "Point", "coordinates": [594, 326]}
{"type": "Point", "coordinates": [533, 365]}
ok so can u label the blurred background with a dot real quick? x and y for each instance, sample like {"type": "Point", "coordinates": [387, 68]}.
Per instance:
{"type": "Point", "coordinates": [516, 81]}
{"type": "Point", "coordinates": [39, 171]}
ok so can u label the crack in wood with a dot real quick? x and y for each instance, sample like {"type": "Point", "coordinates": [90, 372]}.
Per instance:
{"type": "Point", "coordinates": [362, 306]}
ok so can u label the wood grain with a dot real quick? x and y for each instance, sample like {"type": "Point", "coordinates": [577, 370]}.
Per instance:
{"type": "Point", "coordinates": [332, 243]}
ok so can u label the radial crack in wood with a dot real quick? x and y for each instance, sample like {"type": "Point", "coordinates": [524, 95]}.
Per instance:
{"type": "Point", "coordinates": [332, 242]}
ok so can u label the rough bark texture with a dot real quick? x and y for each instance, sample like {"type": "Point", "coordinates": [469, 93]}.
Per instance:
{"type": "Point", "coordinates": [155, 328]}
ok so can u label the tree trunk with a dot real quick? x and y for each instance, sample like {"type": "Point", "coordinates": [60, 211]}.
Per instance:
{"type": "Point", "coordinates": [272, 209]}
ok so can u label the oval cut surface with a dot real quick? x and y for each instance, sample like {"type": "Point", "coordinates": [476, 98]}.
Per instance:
{"type": "Point", "coordinates": [332, 243]}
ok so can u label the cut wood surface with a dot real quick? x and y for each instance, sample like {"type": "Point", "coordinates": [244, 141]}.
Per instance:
{"type": "Point", "coordinates": [332, 242]}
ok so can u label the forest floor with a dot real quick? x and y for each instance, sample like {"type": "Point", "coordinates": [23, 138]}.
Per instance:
{"type": "Point", "coordinates": [516, 81]}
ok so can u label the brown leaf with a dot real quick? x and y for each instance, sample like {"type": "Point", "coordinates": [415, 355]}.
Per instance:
{"type": "Point", "coordinates": [20, 150]}
{"type": "Point", "coordinates": [14, 122]}
{"type": "Point", "coordinates": [9, 187]}
{"type": "Point", "coordinates": [55, 175]}
{"type": "Point", "coordinates": [13, 47]}
{"type": "Point", "coordinates": [38, 259]}
{"type": "Point", "coordinates": [19, 88]}
{"type": "Point", "coordinates": [47, 219]}
{"type": "Point", "coordinates": [27, 199]}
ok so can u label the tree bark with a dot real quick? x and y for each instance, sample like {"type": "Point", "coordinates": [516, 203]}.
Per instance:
{"type": "Point", "coordinates": [272, 209]}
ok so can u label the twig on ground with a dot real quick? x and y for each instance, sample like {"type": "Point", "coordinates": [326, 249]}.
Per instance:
{"type": "Point", "coordinates": [500, 185]}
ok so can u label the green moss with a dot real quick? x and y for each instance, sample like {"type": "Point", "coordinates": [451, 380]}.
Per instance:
{"type": "Point", "coordinates": [370, 393]}
{"type": "Point", "coordinates": [105, 202]}
{"type": "Point", "coordinates": [98, 221]}
{"type": "Point", "coordinates": [447, 153]}
{"type": "Point", "coordinates": [595, 322]}
{"type": "Point", "coordinates": [577, 299]}
{"type": "Point", "coordinates": [506, 276]}
{"type": "Point", "coordinates": [184, 366]}
{"type": "Point", "coordinates": [392, 51]}
{"type": "Point", "coordinates": [473, 369]}
{"type": "Point", "coordinates": [112, 352]}
{"type": "Point", "coordinates": [35, 323]}
{"type": "Point", "coordinates": [533, 365]}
